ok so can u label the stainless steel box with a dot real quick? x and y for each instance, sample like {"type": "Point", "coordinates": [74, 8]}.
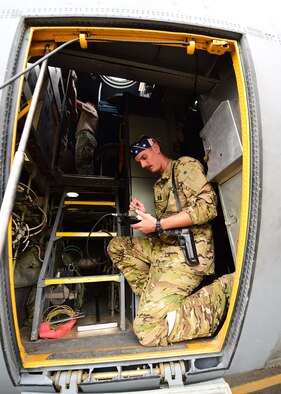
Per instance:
{"type": "Point", "coordinates": [222, 143]}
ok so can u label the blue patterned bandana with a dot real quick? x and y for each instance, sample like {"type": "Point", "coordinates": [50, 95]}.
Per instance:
{"type": "Point", "coordinates": [142, 144]}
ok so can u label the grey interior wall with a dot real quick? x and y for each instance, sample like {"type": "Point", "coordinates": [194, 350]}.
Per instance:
{"type": "Point", "coordinates": [225, 90]}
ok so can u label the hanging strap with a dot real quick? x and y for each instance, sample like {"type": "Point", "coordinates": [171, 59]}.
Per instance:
{"type": "Point", "coordinates": [179, 207]}
{"type": "Point", "coordinates": [184, 235]}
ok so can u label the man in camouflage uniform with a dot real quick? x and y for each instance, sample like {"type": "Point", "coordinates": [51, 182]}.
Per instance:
{"type": "Point", "coordinates": [85, 138]}
{"type": "Point", "coordinates": [86, 129]}
{"type": "Point", "coordinates": [155, 265]}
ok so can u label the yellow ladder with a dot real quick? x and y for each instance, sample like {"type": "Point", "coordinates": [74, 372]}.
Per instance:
{"type": "Point", "coordinates": [46, 276]}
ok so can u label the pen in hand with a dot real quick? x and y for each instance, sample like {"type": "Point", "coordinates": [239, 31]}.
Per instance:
{"type": "Point", "coordinates": [136, 204]}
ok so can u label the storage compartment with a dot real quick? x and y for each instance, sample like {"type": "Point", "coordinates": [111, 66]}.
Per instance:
{"type": "Point", "coordinates": [222, 143]}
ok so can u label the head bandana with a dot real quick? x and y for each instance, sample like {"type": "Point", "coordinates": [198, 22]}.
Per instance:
{"type": "Point", "coordinates": [141, 145]}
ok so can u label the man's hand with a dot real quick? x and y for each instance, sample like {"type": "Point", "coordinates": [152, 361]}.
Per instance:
{"type": "Point", "coordinates": [147, 224]}
{"type": "Point", "coordinates": [137, 204]}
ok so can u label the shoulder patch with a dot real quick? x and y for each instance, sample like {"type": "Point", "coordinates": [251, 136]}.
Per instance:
{"type": "Point", "coordinates": [190, 172]}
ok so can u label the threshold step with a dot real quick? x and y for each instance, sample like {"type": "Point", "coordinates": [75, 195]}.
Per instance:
{"type": "Point", "coordinates": [83, 279]}
{"type": "Point", "coordinates": [86, 234]}
{"type": "Point", "coordinates": [99, 203]}
{"type": "Point", "coordinates": [88, 180]}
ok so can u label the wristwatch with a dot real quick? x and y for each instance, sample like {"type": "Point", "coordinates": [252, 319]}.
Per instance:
{"type": "Point", "coordinates": [159, 228]}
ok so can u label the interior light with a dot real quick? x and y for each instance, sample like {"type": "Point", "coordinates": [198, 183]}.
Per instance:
{"type": "Point", "coordinates": [72, 194]}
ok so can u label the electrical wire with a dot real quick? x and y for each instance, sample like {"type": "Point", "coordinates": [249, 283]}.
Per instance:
{"type": "Point", "coordinates": [73, 251]}
{"type": "Point", "coordinates": [54, 311]}
{"type": "Point", "coordinates": [89, 235]}
{"type": "Point", "coordinates": [38, 249]}
{"type": "Point", "coordinates": [21, 230]}
{"type": "Point", "coordinates": [104, 40]}
{"type": "Point", "coordinates": [196, 74]}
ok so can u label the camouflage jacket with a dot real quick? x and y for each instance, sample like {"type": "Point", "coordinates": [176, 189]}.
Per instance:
{"type": "Point", "coordinates": [196, 194]}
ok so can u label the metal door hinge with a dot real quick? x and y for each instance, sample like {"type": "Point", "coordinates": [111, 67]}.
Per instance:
{"type": "Point", "coordinates": [173, 373]}
{"type": "Point", "coordinates": [68, 381]}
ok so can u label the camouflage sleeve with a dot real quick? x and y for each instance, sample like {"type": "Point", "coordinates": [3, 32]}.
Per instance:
{"type": "Point", "coordinates": [201, 199]}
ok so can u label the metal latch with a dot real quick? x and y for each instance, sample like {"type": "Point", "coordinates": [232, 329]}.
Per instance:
{"type": "Point", "coordinates": [38, 48]}
{"type": "Point", "coordinates": [232, 218]}
{"type": "Point", "coordinates": [217, 47]}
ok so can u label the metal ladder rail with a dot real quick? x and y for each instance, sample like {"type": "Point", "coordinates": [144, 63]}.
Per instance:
{"type": "Point", "coordinates": [48, 264]}
{"type": "Point", "coordinates": [49, 256]}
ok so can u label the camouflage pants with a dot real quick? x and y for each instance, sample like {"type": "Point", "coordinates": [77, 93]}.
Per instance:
{"type": "Point", "coordinates": [159, 274]}
{"type": "Point", "coordinates": [199, 315]}
{"type": "Point", "coordinates": [84, 152]}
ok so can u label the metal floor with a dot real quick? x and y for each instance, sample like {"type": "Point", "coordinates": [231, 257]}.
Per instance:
{"type": "Point", "coordinates": [88, 344]}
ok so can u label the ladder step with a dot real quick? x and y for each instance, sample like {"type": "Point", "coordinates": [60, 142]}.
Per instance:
{"type": "Point", "coordinates": [82, 279]}
{"type": "Point", "coordinates": [97, 182]}
{"type": "Point", "coordinates": [86, 234]}
{"type": "Point", "coordinates": [99, 203]}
